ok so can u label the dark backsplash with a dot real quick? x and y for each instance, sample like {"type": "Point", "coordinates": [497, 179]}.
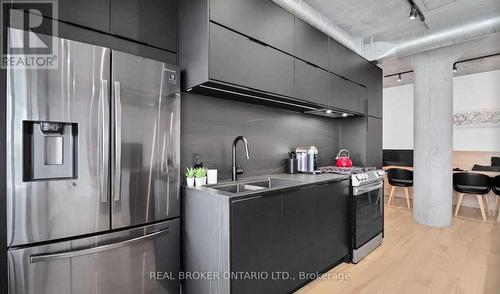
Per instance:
{"type": "Point", "coordinates": [209, 125]}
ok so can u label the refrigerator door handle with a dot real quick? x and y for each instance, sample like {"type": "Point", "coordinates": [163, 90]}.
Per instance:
{"type": "Point", "coordinates": [118, 146]}
{"type": "Point", "coordinates": [104, 167]}
{"type": "Point", "coordinates": [63, 255]}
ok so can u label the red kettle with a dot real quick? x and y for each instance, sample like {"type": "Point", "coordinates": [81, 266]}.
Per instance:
{"type": "Point", "coordinates": [343, 159]}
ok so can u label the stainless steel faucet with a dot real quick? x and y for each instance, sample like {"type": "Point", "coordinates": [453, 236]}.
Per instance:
{"type": "Point", "coordinates": [236, 171]}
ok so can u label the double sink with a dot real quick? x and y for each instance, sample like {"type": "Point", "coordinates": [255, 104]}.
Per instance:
{"type": "Point", "coordinates": [252, 185]}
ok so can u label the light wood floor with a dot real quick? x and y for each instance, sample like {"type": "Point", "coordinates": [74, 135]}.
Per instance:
{"type": "Point", "coordinates": [464, 258]}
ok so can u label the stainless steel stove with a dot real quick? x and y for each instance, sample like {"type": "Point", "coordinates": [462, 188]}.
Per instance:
{"type": "Point", "coordinates": [346, 170]}
{"type": "Point", "coordinates": [367, 208]}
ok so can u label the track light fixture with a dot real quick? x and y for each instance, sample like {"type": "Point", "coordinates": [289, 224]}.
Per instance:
{"type": "Point", "coordinates": [399, 78]}
{"type": "Point", "coordinates": [455, 67]}
{"type": "Point", "coordinates": [413, 12]}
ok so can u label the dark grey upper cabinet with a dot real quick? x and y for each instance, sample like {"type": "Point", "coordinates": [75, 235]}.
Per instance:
{"type": "Point", "coordinates": [254, 51]}
{"type": "Point", "coordinates": [311, 83]}
{"type": "Point", "coordinates": [345, 62]}
{"type": "Point", "coordinates": [374, 90]}
{"type": "Point", "coordinates": [256, 242]}
{"type": "Point", "coordinates": [216, 60]}
{"type": "Point", "coordinates": [374, 134]}
{"type": "Point", "coordinates": [260, 19]}
{"type": "Point", "coordinates": [92, 14]}
{"type": "Point", "coordinates": [311, 44]}
{"type": "Point", "coordinates": [343, 93]}
{"type": "Point", "coordinates": [362, 100]}
{"type": "Point", "coordinates": [152, 22]}
{"type": "Point", "coordinates": [239, 60]}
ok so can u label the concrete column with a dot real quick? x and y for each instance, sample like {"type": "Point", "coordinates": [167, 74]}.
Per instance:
{"type": "Point", "coordinates": [433, 138]}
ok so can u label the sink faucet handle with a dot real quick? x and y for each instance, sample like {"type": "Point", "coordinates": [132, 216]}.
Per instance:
{"type": "Point", "coordinates": [239, 170]}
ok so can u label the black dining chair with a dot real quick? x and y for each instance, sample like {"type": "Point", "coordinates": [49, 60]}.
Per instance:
{"type": "Point", "coordinates": [495, 186]}
{"type": "Point", "coordinates": [399, 177]}
{"type": "Point", "coordinates": [472, 184]}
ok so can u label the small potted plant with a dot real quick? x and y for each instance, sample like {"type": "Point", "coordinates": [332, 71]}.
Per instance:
{"type": "Point", "coordinates": [200, 176]}
{"type": "Point", "coordinates": [190, 175]}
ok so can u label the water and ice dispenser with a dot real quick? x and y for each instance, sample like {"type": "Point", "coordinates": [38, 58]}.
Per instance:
{"type": "Point", "coordinates": [50, 150]}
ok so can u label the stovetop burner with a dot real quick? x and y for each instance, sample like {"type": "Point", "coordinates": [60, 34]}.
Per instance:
{"type": "Point", "coordinates": [345, 170]}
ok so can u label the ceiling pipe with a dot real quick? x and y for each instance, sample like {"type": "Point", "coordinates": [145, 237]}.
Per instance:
{"type": "Point", "coordinates": [311, 16]}
{"type": "Point", "coordinates": [446, 37]}
{"type": "Point", "coordinates": [404, 47]}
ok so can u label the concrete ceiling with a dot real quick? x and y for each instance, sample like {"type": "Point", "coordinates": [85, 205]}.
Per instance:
{"type": "Point", "coordinates": [387, 20]}
{"type": "Point", "coordinates": [485, 46]}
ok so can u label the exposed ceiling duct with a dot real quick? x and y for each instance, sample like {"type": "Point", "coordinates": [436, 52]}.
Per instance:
{"type": "Point", "coordinates": [311, 16]}
{"type": "Point", "coordinates": [433, 40]}
{"type": "Point", "coordinates": [378, 50]}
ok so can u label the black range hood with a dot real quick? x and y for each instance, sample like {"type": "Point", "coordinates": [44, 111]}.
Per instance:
{"type": "Point", "coordinates": [244, 94]}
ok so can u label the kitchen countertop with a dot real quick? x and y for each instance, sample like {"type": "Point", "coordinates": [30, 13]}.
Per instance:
{"type": "Point", "coordinates": [301, 180]}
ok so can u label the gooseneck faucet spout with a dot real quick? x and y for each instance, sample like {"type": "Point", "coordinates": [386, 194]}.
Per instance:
{"type": "Point", "coordinates": [235, 170]}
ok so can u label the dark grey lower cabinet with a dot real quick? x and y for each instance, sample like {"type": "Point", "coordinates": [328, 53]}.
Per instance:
{"type": "Point", "coordinates": [314, 231]}
{"type": "Point", "coordinates": [268, 243]}
{"type": "Point", "coordinates": [332, 209]}
{"type": "Point", "coordinates": [256, 243]}
{"type": "Point", "coordinates": [299, 232]}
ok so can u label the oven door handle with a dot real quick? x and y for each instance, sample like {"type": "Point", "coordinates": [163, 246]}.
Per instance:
{"type": "Point", "coordinates": [361, 190]}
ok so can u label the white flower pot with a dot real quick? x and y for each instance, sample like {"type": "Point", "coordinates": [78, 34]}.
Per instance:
{"type": "Point", "coordinates": [190, 182]}
{"type": "Point", "coordinates": [200, 181]}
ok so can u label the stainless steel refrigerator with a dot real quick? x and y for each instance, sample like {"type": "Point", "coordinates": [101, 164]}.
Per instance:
{"type": "Point", "coordinates": [93, 174]}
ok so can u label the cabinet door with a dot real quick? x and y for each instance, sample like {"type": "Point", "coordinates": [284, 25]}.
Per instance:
{"type": "Point", "coordinates": [362, 99]}
{"type": "Point", "coordinates": [345, 62]}
{"type": "Point", "coordinates": [311, 83]}
{"type": "Point", "coordinates": [92, 14]}
{"type": "Point", "coordinates": [299, 234]}
{"type": "Point", "coordinates": [311, 44]}
{"type": "Point", "coordinates": [332, 226]}
{"type": "Point", "coordinates": [343, 93]}
{"type": "Point", "coordinates": [153, 22]}
{"type": "Point", "coordinates": [256, 242]}
{"type": "Point", "coordinates": [374, 142]}
{"type": "Point", "coordinates": [375, 89]}
{"type": "Point", "coordinates": [239, 60]}
{"type": "Point", "coordinates": [259, 19]}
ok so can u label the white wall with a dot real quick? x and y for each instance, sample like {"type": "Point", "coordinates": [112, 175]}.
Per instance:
{"type": "Point", "coordinates": [470, 92]}
{"type": "Point", "coordinates": [398, 117]}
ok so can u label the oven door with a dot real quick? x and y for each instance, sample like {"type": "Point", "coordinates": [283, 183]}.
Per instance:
{"type": "Point", "coordinates": [368, 212]}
